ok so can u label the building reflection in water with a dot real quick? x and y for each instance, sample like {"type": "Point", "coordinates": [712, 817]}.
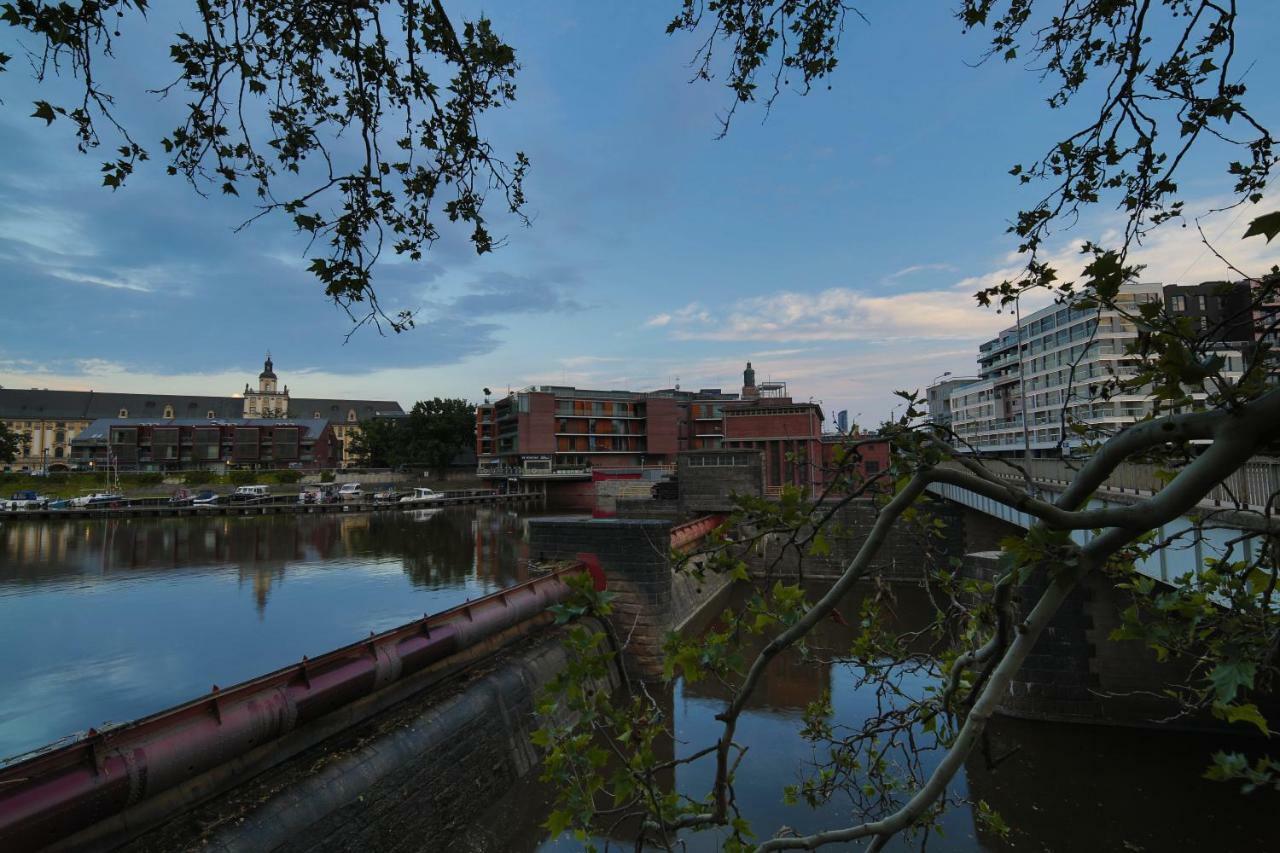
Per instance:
{"type": "Point", "coordinates": [437, 548]}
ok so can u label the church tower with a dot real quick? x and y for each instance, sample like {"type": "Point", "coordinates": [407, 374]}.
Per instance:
{"type": "Point", "coordinates": [749, 390]}
{"type": "Point", "coordinates": [267, 378]}
{"type": "Point", "coordinates": [268, 401]}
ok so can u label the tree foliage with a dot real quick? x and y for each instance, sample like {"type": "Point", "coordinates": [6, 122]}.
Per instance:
{"type": "Point", "coordinates": [272, 86]}
{"type": "Point", "coordinates": [1155, 77]}
{"type": "Point", "coordinates": [360, 122]}
{"type": "Point", "coordinates": [10, 443]}
{"type": "Point", "coordinates": [434, 432]}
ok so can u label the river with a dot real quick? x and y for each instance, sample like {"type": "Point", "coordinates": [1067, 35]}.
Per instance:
{"type": "Point", "coordinates": [106, 620]}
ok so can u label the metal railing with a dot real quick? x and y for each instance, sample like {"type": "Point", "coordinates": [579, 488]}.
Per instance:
{"type": "Point", "coordinates": [1251, 486]}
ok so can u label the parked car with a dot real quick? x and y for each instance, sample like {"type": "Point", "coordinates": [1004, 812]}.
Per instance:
{"type": "Point", "coordinates": [26, 499]}
{"type": "Point", "coordinates": [350, 492]}
{"type": "Point", "coordinates": [251, 493]}
{"type": "Point", "coordinates": [206, 497]}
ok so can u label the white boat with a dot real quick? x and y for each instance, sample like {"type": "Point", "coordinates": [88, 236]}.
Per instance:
{"type": "Point", "coordinates": [98, 499]}
{"type": "Point", "coordinates": [421, 496]}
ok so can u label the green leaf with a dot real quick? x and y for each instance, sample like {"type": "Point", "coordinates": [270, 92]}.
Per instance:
{"type": "Point", "coordinates": [1243, 714]}
{"type": "Point", "coordinates": [1268, 226]}
{"type": "Point", "coordinates": [557, 822]}
{"type": "Point", "coordinates": [1229, 678]}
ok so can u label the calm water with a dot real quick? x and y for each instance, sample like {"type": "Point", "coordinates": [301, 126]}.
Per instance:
{"type": "Point", "coordinates": [107, 620]}
{"type": "Point", "coordinates": [1063, 788]}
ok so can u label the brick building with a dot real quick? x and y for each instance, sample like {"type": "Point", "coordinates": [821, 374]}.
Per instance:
{"type": "Point", "coordinates": [559, 433]}
{"type": "Point", "coordinates": [195, 443]}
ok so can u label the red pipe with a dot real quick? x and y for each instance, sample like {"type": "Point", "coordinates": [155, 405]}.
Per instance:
{"type": "Point", "coordinates": [685, 536]}
{"type": "Point", "coordinates": [56, 793]}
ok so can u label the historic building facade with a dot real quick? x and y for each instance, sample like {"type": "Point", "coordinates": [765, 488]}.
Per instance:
{"type": "Point", "coordinates": [47, 421]}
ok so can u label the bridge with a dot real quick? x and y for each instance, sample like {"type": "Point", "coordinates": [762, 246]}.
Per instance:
{"type": "Point", "coordinates": [1249, 489]}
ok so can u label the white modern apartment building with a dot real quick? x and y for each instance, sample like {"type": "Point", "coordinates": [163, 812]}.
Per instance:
{"type": "Point", "coordinates": [1034, 362]}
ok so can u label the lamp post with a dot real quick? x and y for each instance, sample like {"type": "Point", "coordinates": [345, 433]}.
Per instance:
{"type": "Point", "coordinates": [1022, 387]}
{"type": "Point", "coordinates": [931, 404]}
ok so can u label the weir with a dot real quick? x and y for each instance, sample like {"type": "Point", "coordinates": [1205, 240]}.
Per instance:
{"type": "Point", "coordinates": [447, 698]}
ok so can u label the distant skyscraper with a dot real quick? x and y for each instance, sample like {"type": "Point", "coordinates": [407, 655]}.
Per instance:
{"type": "Point", "coordinates": [842, 420]}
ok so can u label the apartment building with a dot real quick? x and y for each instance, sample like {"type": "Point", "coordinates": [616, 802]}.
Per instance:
{"type": "Point", "coordinates": [565, 433]}
{"type": "Point", "coordinates": [203, 444]}
{"type": "Point", "coordinates": [1051, 368]}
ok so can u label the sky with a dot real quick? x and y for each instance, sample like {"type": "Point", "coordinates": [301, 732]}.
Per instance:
{"type": "Point", "coordinates": [835, 242]}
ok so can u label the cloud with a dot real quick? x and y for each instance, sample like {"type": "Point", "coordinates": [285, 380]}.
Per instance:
{"type": "Point", "coordinates": [694, 312]}
{"type": "Point", "coordinates": [918, 268]}
{"type": "Point", "coordinates": [499, 293]}
{"type": "Point", "coordinates": [132, 282]}
{"type": "Point", "coordinates": [837, 314]}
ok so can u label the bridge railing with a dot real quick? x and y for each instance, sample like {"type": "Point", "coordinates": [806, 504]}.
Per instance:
{"type": "Point", "coordinates": [1251, 486]}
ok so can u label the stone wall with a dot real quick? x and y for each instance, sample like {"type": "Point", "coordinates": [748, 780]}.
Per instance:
{"type": "Point", "coordinates": [906, 555]}
{"type": "Point", "coordinates": [648, 508]}
{"type": "Point", "coordinates": [711, 487]}
{"type": "Point", "coordinates": [650, 598]}
{"type": "Point", "coordinates": [1076, 673]}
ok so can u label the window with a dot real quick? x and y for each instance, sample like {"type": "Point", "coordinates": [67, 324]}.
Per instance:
{"type": "Point", "coordinates": [351, 416]}
{"type": "Point", "coordinates": [168, 412]}
{"type": "Point", "coordinates": [209, 414]}
{"type": "Point", "coordinates": [124, 413]}
{"type": "Point", "coordinates": [1178, 303]}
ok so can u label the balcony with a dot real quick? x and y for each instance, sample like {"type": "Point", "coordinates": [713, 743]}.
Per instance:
{"type": "Point", "coordinates": [559, 472]}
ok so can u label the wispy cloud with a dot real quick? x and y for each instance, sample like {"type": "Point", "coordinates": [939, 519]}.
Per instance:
{"type": "Point", "coordinates": [132, 282]}
{"type": "Point", "coordinates": [836, 314]}
{"type": "Point", "coordinates": [919, 268]}
{"type": "Point", "coordinates": [694, 312]}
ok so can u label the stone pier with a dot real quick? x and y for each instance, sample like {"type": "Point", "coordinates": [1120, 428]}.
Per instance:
{"type": "Point", "coordinates": [650, 599]}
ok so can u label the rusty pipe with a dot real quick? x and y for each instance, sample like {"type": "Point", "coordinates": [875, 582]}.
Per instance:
{"type": "Point", "coordinates": [53, 794]}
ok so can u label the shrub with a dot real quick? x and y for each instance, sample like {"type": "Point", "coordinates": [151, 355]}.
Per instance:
{"type": "Point", "coordinates": [287, 476]}
{"type": "Point", "coordinates": [242, 478]}
{"type": "Point", "coordinates": [327, 476]}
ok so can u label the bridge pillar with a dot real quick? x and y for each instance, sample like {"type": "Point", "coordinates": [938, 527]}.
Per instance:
{"type": "Point", "coordinates": [1076, 673]}
{"type": "Point", "coordinates": [635, 556]}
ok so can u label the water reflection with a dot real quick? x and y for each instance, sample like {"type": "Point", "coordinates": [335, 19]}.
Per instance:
{"type": "Point", "coordinates": [115, 618]}
{"type": "Point", "coordinates": [1062, 787]}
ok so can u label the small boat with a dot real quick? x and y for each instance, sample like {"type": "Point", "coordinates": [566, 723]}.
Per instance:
{"type": "Point", "coordinates": [421, 496]}
{"type": "Point", "coordinates": [99, 499]}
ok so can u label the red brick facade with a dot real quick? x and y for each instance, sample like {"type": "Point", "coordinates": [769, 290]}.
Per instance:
{"type": "Point", "coordinates": [563, 433]}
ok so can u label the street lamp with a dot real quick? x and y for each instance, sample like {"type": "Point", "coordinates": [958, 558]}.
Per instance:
{"type": "Point", "coordinates": [1022, 381]}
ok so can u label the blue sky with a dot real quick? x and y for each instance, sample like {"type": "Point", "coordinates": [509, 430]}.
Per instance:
{"type": "Point", "coordinates": [835, 244]}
